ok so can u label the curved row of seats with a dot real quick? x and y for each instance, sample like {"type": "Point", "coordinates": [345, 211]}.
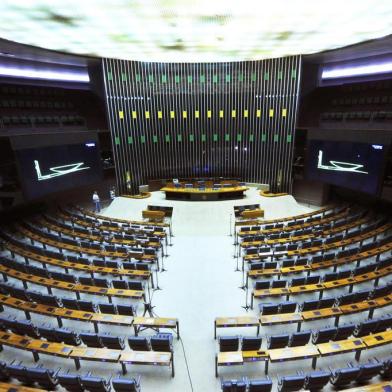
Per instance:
{"type": "Point", "coordinates": [98, 236]}
{"type": "Point", "coordinates": [71, 278]}
{"type": "Point", "coordinates": [325, 211]}
{"type": "Point", "coordinates": [49, 282]}
{"type": "Point", "coordinates": [295, 265]}
{"type": "Point", "coordinates": [334, 219]}
{"type": "Point", "coordinates": [105, 226]}
{"type": "Point", "coordinates": [313, 284]}
{"type": "Point", "coordinates": [323, 335]}
{"type": "Point", "coordinates": [78, 211]}
{"type": "Point", "coordinates": [95, 249]}
{"type": "Point", "coordinates": [324, 227]}
{"type": "Point", "coordinates": [324, 233]}
{"type": "Point", "coordinates": [313, 246]}
{"type": "Point", "coordinates": [317, 380]}
{"type": "Point", "coordinates": [49, 379]}
{"type": "Point", "coordinates": [161, 343]}
{"type": "Point", "coordinates": [315, 304]}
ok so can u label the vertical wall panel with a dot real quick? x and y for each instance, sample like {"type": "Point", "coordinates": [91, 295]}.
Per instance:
{"type": "Point", "coordinates": [171, 120]}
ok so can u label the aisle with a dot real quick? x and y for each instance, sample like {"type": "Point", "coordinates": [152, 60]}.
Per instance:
{"type": "Point", "coordinates": [200, 283]}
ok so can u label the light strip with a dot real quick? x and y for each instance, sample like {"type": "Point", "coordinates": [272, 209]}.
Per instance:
{"type": "Point", "coordinates": [30, 73]}
{"type": "Point", "coordinates": [362, 70]}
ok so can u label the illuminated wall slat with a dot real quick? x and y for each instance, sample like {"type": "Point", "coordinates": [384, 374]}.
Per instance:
{"type": "Point", "coordinates": [172, 120]}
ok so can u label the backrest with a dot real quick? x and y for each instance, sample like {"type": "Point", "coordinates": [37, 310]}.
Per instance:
{"type": "Point", "coordinates": [278, 341]}
{"type": "Point", "coordinates": [95, 384]}
{"type": "Point", "coordinates": [260, 386]}
{"type": "Point", "coordinates": [139, 343]}
{"type": "Point", "coordinates": [233, 386]}
{"type": "Point", "coordinates": [314, 279]}
{"type": "Point", "coordinates": [70, 303]}
{"type": "Point", "coordinates": [309, 305]}
{"type": "Point", "coordinates": [125, 384]}
{"type": "Point", "coordinates": [161, 344]}
{"type": "Point", "coordinates": [262, 284]}
{"type": "Point", "coordinates": [287, 307]}
{"type": "Point", "coordinates": [113, 342]}
{"type": "Point", "coordinates": [291, 383]}
{"type": "Point", "coordinates": [278, 284]}
{"type": "Point", "coordinates": [366, 327]}
{"type": "Point", "coordinates": [267, 309]}
{"type": "Point", "coordinates": [101, 282]}
{"type": "Point", "coordinates": [87, 306]}
{"type": "Point", "coordinates": [91, 339]}
{"type": "Point", "coordinates": [126, 310]}
{"type": "Point", "coordinates": [228, 343]}
{"type": "Point", "coordinates": [4, 375]}
{"type": "Point", "coordinates": [108, 308]}
{"type": "Point", "coordinates": [120, 284]}
{"type": "Point", "coordinates": [323, 335]}
{"type": "Point", "coordinates": [326, 302]}
{"type": "Point", "coordinates": [344, 376]}
{"type": "Point", "coordinates": [67, 336]}
{"type": "Point", "coordinates": [299, 338]}
{"type": "Point", "coordinates": [135, 285]}
{"type": "Point", "coordinates": [298, 281]}
{"type": "Point", "coordinates": [44, 377]}
{"type": "Point", "coordinates": [86, 280]}
{"type": "Point", "coordinates": [344, 331]}
{"type": "Point", "coordinates": [19, 372]}
{"type": "Point", "coordinates": [316, 380]}
{"type": "Point", "coordinates": [250, 343]}
{"type": "Point", "coordinates": [368, 371]}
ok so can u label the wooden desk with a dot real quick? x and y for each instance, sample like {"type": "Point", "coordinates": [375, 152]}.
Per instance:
{"type": "Point", "coordinates": [8, 387]}
{"type": "Point", "coordinates": [94, 354]}
{"type": "Point", "coordinates": [378, 339]}
{"type": "Point", "coordinates": [154, 216]}
{"type": "Point", "coordinates": [146, 358]}
{"type": "Point", "coordinates": [342, 346]}
{"type": "Point", "coordinates": [111, 219]}
{"type": "Point", "coordinates": [210, 194]}
{"type": "Point", "coordinates": [251, 214]}
{"type": "Point", "coordinates": [293, 353]}
{"type": "Point", "coordinates": [67, 265]}
{"type": "Point", "coordinates": [236, 322]}
{"type": "Point", "coordinates": [78, 353]}
{"type": "Point", "coordinates": [229, 358]}
{"type": "Point", "coordinates": [76, 288]}
{"type": "Point", "coordinates": [155, 323]}
{"type": "Point", "coordinates": [282, 318]}
{"type": "Point", "coordinates": [385, 386]}
{"type": "Point", "coordinates": [96, 252]}
{"type": "Point", "coordinates": [319, 287]}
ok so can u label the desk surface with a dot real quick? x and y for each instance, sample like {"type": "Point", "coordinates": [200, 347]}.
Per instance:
{"type": "Point", "coordinates": [340, 347]}
{"type": "Point", "coordinates": [240, 321]}
{"type": "Point", "coordinates": [7, 387]}
{"type": "Point", "coordinates": [292, 353]}
{"type": "Point", "coordinates": [146, 358]}
{"type": "Point", "coordinates": [205, 190]}
{"type": "Point", "coordinates": [379, 387]}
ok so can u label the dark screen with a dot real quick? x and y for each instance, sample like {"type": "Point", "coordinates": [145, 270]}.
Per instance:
{"type": "Point", "coordinates": [49, 169]}
{"type": "Point", "coordinates": [356, 166]}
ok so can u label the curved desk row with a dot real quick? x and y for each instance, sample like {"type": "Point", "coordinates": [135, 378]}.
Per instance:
{"type": "Point", "coordinates": [300, 317]}
{"type": "Point", "coordinates": [204, 194]}
{"type": "Point", "coordinates": [77, 353]}
{"type": "Point", "coordinates": [310, 351]}
{"type": "Point", "coordinates": [96, 318]}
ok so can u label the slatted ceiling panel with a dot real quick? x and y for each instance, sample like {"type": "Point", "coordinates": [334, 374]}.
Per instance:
{"type": "Point", "coordinates": [202, 119]}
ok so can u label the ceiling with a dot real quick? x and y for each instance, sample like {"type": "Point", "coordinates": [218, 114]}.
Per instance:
{"type": "Point", "coordinates": [193, 30]}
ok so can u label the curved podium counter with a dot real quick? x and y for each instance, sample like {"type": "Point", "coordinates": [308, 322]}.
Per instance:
{"type": "Point", "coordinates": [204, 194]}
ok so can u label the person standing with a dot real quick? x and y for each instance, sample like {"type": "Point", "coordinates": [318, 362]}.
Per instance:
{"type": "Point", "coordinates": [112, 194]}
{"type": "Point", "coordinates": [97, 202]}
